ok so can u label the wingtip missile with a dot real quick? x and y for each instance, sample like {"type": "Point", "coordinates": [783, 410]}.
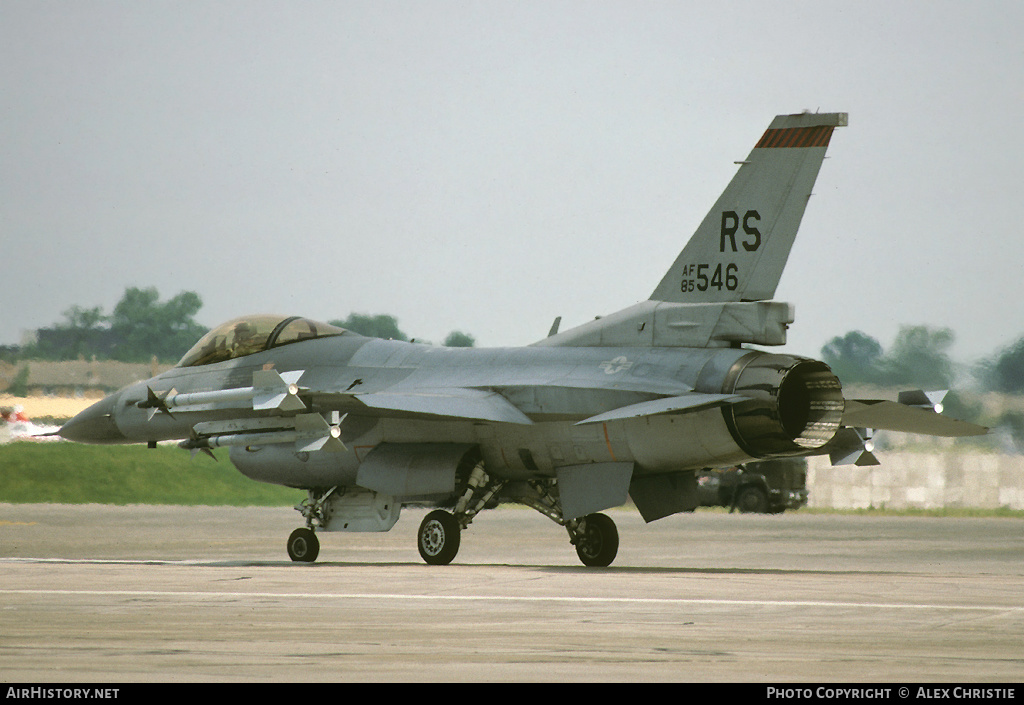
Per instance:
{"type": "Point", "coordinates": [930, 401]}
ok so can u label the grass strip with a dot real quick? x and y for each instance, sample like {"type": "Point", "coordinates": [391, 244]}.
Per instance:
{"type": "Point", "coordinates": [71, 473]}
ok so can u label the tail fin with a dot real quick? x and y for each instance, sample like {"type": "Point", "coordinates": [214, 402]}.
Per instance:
{"type": "Point", "coordinates": [740, 249]}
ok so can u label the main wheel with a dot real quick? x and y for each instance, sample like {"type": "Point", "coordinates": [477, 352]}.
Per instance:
{"type": "Point", "coordinates": [303, 545]}
{"type": "Point", "coordinates": [752, 500]}
{"type": "Point", "coordinates": [438, 538]}
{"type": "Point", "coordinates": [600, 541]}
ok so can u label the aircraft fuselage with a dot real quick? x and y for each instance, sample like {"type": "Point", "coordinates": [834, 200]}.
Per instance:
{"type": "Point", "coordinates": [526, 420]}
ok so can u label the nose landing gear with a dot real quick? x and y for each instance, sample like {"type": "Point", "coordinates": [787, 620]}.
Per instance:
{"type": "Point", "coordinates": [303, 545]}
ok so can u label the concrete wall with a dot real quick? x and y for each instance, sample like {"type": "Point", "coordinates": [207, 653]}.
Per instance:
{"type": "Point", "coordinates": [907, 480]}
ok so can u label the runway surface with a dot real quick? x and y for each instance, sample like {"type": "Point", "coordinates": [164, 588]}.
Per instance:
{"type": "Point", "coordinates": [131, 594]}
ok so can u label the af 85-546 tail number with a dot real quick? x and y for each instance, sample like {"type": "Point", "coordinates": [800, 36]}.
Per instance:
{"type": "Point", "coordinates": [702, 277]}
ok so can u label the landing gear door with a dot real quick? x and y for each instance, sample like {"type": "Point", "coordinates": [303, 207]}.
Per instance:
{"type": "Point", "coordinates": [361, 510]}
{"type": "Point", "coordinates": [584, 489]}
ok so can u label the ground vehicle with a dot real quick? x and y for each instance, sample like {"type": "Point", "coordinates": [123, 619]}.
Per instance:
{"type": "Point", "coordinates": [765, 487]}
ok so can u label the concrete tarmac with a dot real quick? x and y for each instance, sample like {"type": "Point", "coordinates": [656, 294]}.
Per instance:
{"type": "Point", "coordinates": [183, 594]}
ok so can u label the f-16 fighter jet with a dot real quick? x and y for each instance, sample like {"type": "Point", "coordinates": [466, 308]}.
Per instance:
{"type": "Point", "coordinates": [629, 405]}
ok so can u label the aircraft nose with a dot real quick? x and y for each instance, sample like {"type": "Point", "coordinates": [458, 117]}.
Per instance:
{"type": "Point", "coordinates": [95, 424]}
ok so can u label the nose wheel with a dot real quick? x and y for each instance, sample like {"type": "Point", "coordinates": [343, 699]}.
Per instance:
{"type": "Point", "coordinates": [303, 545]}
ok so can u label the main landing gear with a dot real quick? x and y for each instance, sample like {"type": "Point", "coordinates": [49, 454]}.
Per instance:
{"type": "Point", "coordinates": [595, 537]}
{"type": "Point", "coordinates": [597, 540]}
{"type": "Point", "coordinates": [439, 537]}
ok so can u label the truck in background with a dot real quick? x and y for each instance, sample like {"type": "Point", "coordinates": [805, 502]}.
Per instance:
{"type": "Point", "coordinates": [764, 487]}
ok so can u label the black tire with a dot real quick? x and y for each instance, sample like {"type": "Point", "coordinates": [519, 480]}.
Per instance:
{"type": "Point", "coordinates": [303, 546]}
{"type": "Point", "coordinates": [600, 541]}
{"type": "Point", "coordinates": [752, 500]}
{"type": "Point", "coordinates": [439, 537]}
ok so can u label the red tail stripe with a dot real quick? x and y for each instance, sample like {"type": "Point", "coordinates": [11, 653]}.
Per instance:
{"type": "Point", "coordinates": [793, 137]}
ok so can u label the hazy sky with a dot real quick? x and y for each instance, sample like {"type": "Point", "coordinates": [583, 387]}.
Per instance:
{"type": "Point", "coordinates": [487, 166]}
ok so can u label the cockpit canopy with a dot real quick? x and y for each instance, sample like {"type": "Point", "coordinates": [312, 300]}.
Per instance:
{"type": "Point", "coordinates": [253, 334]}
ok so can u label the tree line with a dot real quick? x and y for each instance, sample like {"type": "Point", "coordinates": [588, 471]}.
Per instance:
{"type": "Point", "coordinates": [141, 327]}
{"type": "Point", "coordinates": [919, 357]}
{"type": "Point", "coordinates": [386, 326]}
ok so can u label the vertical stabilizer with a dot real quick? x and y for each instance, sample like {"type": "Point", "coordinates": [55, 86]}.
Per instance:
{"type": "Point", "coordinates": [740, 249]}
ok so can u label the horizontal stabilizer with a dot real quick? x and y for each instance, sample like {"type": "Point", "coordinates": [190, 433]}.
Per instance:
{"type": "Point", "coordinates": [684, 403]}
{"type": "Point", "coordinates": [893, 416]}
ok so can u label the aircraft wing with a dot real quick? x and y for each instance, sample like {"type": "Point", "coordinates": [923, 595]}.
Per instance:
{"type": "Point", "coordinates": [893, 416]}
